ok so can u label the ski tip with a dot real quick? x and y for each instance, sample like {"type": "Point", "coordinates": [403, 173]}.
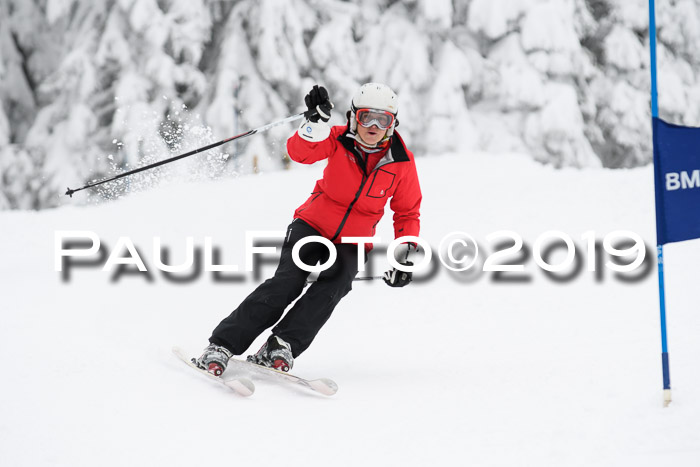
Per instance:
{"type": "Point", "coordinates": [325, 386]}
{"type": "Point", "coordinates": [242, 386]}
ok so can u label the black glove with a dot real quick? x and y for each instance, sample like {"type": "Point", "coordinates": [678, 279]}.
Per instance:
{"type": "Point", "coordinates": [318, 104]}
{"type": "Point", "coordinates": [396, 278]}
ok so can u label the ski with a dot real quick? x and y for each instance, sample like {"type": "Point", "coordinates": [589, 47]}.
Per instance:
{"type": "Point", "coordinates": [323, 386]}
{"type": "Point", "coordinates": [242, 386]}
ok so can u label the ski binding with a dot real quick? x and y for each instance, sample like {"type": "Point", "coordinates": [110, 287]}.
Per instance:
{"type": "Point", "coordinates": [242, 386]}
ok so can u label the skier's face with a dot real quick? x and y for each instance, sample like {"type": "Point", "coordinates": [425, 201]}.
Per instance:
{"type": "Point", "coordinates": [371, 135]}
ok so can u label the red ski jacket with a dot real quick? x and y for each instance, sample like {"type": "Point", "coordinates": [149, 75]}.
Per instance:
{"type": "Point", "coordinates": [349, 200]}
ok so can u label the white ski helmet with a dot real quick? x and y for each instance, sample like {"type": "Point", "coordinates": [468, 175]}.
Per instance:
{"type": "Point", "coordinates": [374, 96]}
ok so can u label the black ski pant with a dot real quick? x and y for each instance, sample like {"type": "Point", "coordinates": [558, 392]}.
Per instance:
{"type": "Point", "coordinates": [266, 304]}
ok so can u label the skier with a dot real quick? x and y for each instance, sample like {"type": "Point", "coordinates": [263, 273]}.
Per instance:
{"type": "Point", "coordinates": [368, 163]}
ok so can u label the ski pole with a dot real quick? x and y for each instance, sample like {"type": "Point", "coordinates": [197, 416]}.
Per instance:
{"type": "Point", "coordinates": [368, 278]}
{"type": "Point", "coordinates": [191, 153]}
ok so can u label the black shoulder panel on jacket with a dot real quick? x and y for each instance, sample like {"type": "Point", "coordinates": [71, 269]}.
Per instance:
{"type": "Point", "coordinates": [347, 142]}
{"type": "Point", "coordinates": [398, 150]}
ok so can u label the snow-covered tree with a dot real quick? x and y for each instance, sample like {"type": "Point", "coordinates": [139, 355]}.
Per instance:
{"type": "Point", "coordinates": [92, 87]}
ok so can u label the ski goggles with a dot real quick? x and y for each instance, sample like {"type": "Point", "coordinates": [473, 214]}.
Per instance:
{"type": "Point", "coordinates": [369, 117]}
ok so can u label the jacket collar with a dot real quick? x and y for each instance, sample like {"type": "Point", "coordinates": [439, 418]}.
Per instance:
{"type": "Point", "coordinates": [397, 151]}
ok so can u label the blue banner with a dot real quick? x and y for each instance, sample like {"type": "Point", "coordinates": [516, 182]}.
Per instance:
{"type": "Point", "coordinates": [677, 182]}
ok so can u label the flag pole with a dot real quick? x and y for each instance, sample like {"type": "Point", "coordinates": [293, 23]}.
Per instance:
{"type": "Point", "coordinates": [659, 246]}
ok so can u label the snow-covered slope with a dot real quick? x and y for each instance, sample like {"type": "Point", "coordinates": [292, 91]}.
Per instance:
{"type": "Point", "coordinates": [444, 372]}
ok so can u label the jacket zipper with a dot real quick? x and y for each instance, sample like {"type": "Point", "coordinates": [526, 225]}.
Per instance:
{"type": "Point", "coordinates": [347, 213]}
{"type": "Point", "coordinates": [357, 196]}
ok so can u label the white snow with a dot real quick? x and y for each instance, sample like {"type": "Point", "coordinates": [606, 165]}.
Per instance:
{"type": "Point", "coordinates": [623, 49]}
{"type": "Point", "coordinates": [495, 18]}
{"type": "Point", "coordinates": [257, 59]}
{"type": "Point", "coordinates": [438, 12]}
{"type": "Point", "coordinates": [447, 372]}
{"type": "Point", "coordinates": [548, 26]}
{"type": "Point", "coordinates": [557, 127]}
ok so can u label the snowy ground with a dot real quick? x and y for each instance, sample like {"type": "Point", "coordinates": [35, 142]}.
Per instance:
{"type": "Point", "coordinates": [445, 372]}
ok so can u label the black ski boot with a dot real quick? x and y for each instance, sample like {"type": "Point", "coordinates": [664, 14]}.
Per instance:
{"type": "Point", "coordinates": [214, 359]}
{"type": "Point", "coordinates": [275, 353]}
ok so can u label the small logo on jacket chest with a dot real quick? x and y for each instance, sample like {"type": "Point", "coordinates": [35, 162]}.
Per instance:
{"type": "Point", "coordinates": [350, 156]}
